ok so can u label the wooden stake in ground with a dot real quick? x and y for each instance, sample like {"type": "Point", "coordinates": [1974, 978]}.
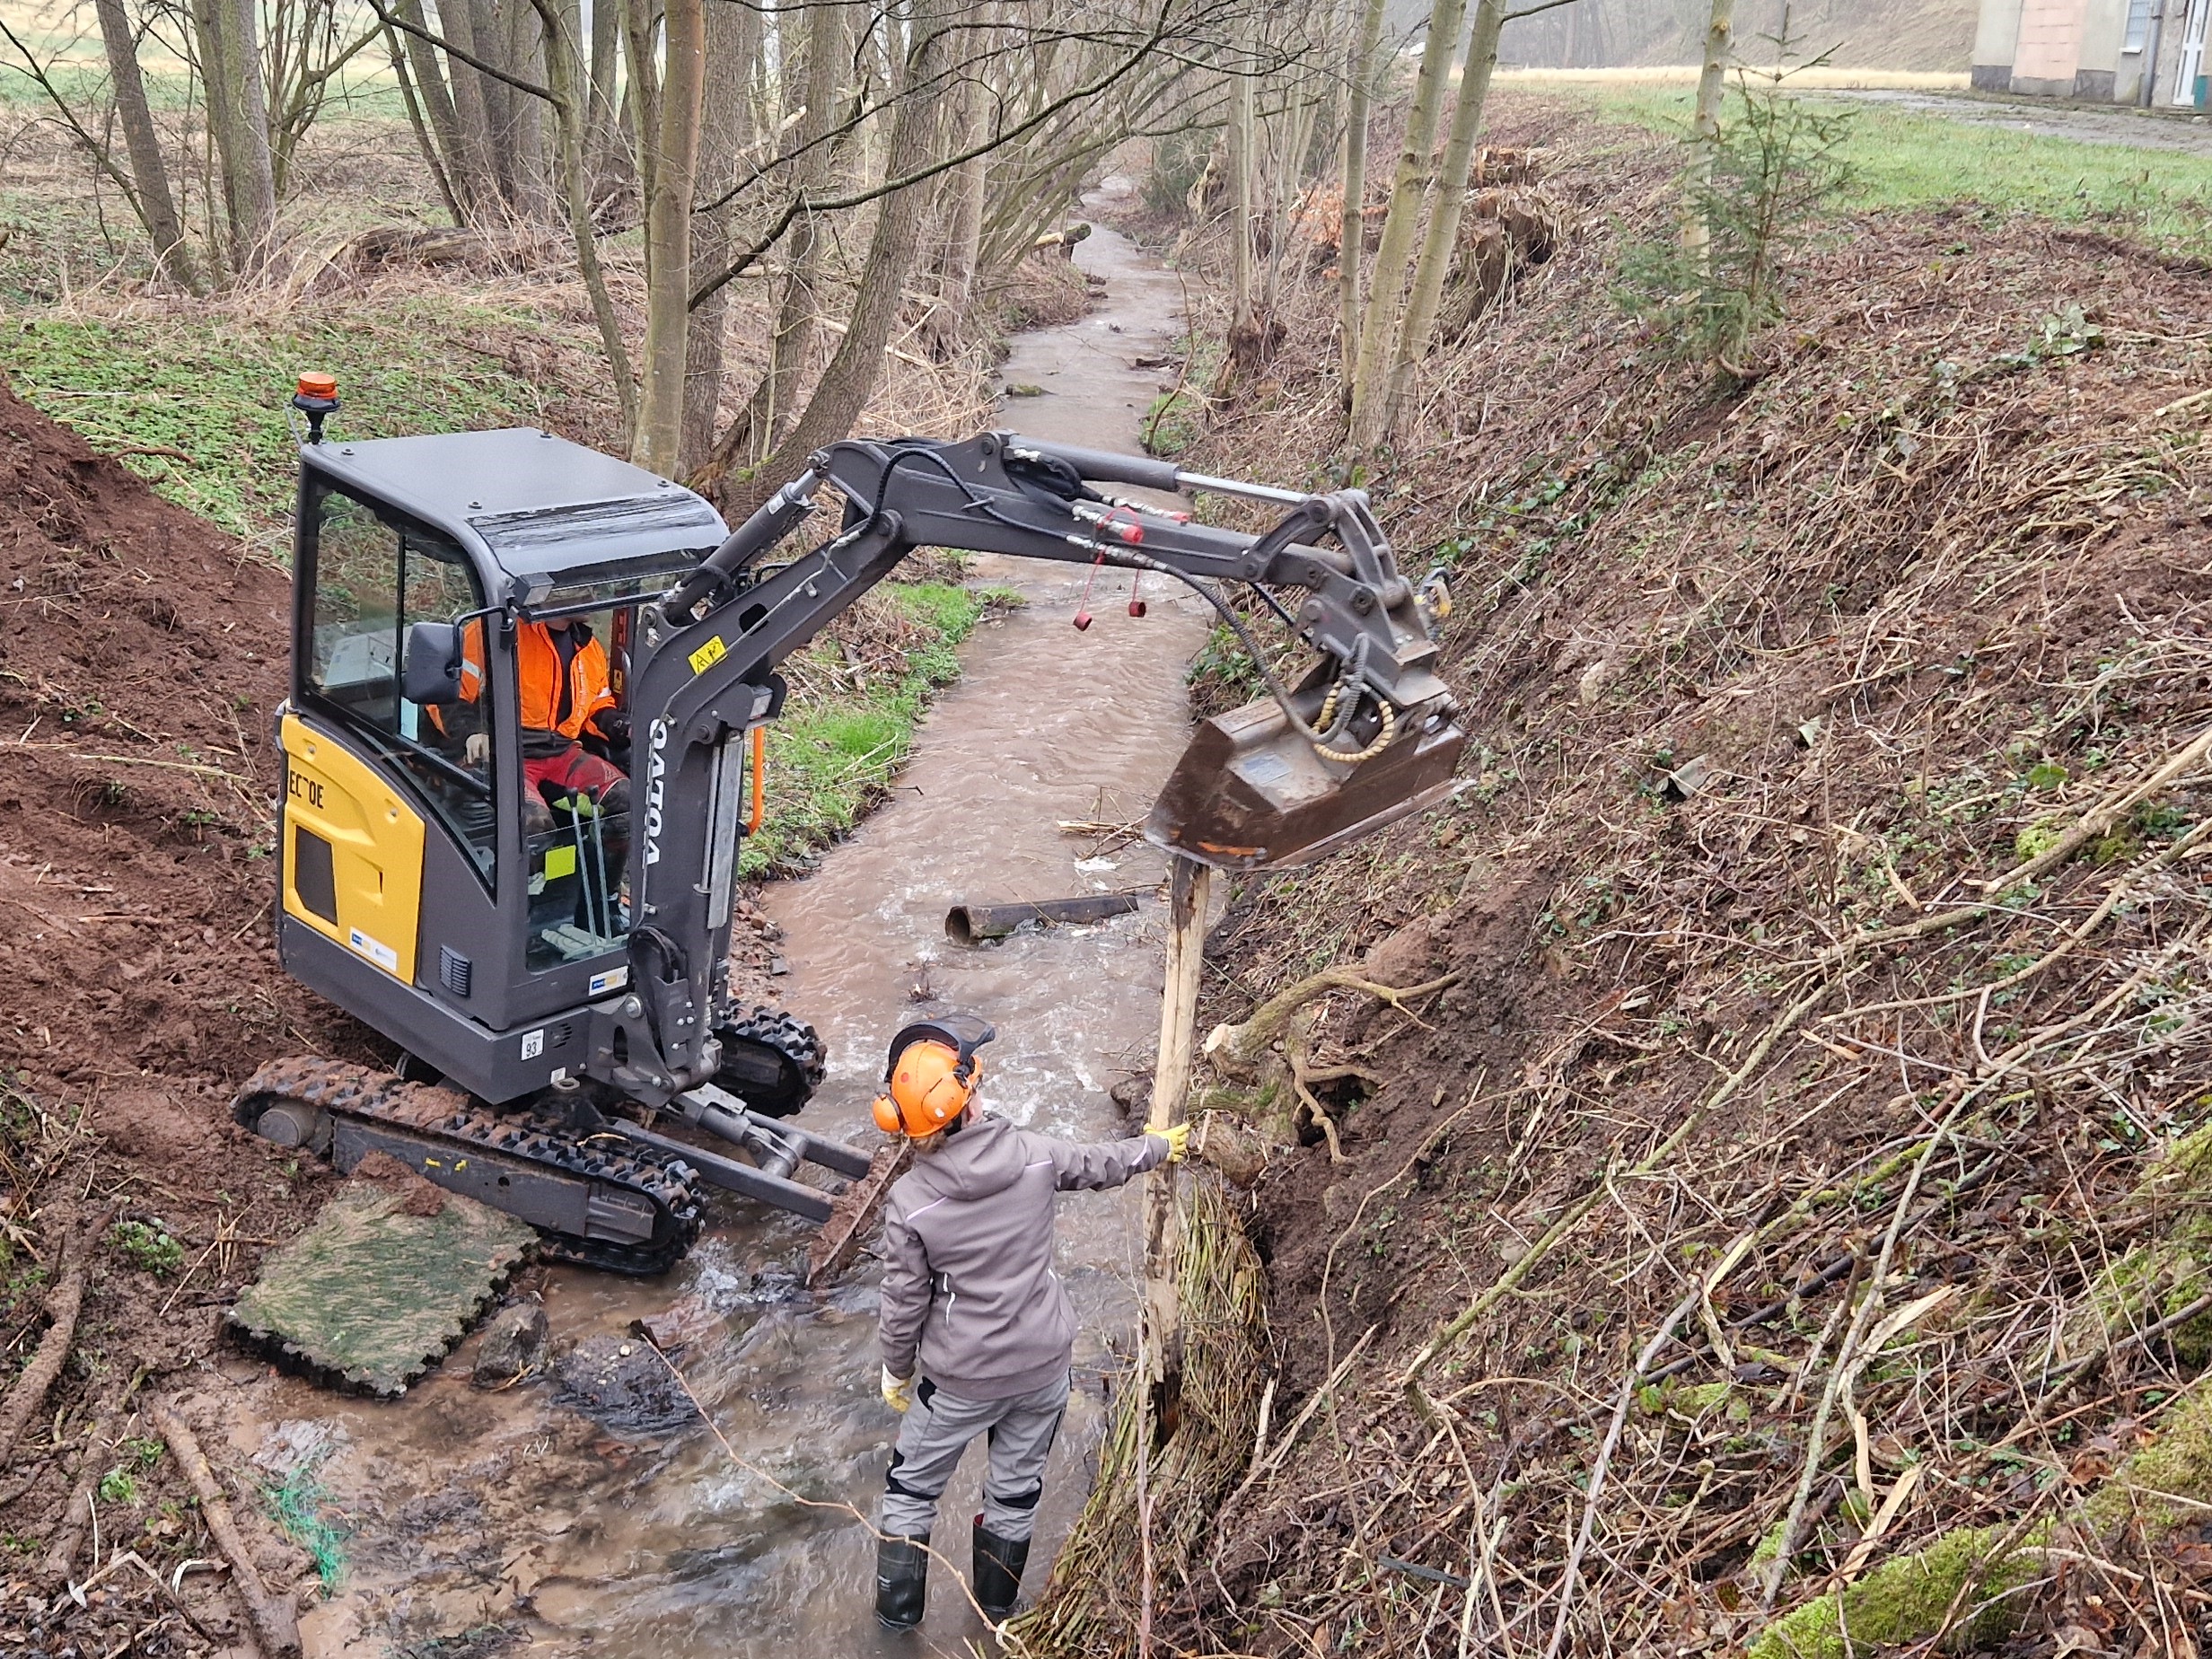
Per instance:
{"type": "Point", "coordinates": [275, 1630]}
{"type": "Point", "coordinates": [1188, 887]}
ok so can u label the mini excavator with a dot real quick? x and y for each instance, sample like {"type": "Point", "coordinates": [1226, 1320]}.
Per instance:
{"type": "Point", "coordinates": [555, 972]}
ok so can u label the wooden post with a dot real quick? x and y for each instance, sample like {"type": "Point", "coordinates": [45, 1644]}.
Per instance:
{"type": "Point", "coordinates": [1189, 886]}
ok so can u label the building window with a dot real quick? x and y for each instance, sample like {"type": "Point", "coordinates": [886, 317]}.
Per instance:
{"type": "Point", "coordinates": [2138, 25]}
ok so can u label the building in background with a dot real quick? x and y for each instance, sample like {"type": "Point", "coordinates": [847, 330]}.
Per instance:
{"type": "Point", "coordinates": [2148, 52]}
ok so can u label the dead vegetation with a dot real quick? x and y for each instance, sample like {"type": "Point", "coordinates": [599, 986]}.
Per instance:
{"type": "Point", "coordinates": [1782, 1232]}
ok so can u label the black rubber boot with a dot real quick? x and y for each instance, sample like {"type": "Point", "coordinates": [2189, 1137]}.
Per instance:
{"type": "Point", "coordinates": [998, 1565]}
{"type": "Point", "coordinates": [902, 1581]}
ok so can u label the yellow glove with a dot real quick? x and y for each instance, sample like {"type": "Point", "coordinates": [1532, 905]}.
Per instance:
{"type": "Point", "coordinates": [898, 1391]}
{"type": "Point", "coordinates": [1178, 1138]}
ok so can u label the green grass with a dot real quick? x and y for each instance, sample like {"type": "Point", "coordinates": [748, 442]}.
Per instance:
{"type": "Point", "coordinates": [830, 759]}
{"type": "Point", "coordinates": [214, 388]}
{"type": "Point", "coordinates": [1899, 160]}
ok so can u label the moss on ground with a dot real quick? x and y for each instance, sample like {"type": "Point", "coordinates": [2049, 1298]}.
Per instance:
{"type": "Point", "coordinates": [2161, 1277]}
{"type": "Point", "coordinates": [2168, 1483]}
{"type": "Point", "coordinates": [1907, 1600]}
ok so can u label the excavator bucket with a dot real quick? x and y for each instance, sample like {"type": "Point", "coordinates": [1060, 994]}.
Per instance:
{"type": "Point", "coordinates": [1252, 793]}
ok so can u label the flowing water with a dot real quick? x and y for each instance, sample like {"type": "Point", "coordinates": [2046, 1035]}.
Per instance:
{"type": "Point", "coordinates": [624, 1526]}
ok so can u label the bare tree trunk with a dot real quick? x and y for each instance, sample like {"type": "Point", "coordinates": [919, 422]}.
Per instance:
{"type": "Point", "coordinates": [490, 30]}
{"type": "Point", "coordinates": [238, 118]}
{"type": "Point", "coordinates": [725, 134]}
{"type": "Point", "coordinates": [1705, 122]}
{"type": "Point", "coordinates": [754, 433]}
{"type": "Point", "coordinates": [157, 208]}
{"type": "Point", "coordinates": [525, 55]}
{"type": "Point", "coordinates": [1352, 226]}
{"type": "Point", "coordinates": [440, 113]}
{"type": "Point", "coordinates": [641, 101]}
{"type": "Point", "coordinates": [603, 126]}
{"type": "Point", "coordinates": [433, 156]}
{"type": "Point", "coordinates": [258, 179]}
{"type": "Point", "coordinates": [471, 114]}
{"type": "Point", "coordinates": [564, 80]}
{"type": "Point", "coordinates": [675, 153]}
{"type": "Point", "coordinates": [966, 191]}
{"type": "Point", "coordinates": [1442, 242]}
{"type": "Point", "coordinates": [1242, 162]}
{"type": "Point", "coordinates": [850, 378]}
{"type": "Point", "coordinates": [1409, 194]}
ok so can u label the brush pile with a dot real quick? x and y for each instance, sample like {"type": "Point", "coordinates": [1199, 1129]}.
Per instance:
{"type": "Point", "coordinates": [1790, 1228]}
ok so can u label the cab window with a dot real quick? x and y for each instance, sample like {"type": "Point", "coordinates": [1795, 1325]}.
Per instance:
{"type": "Point", "coordinates": [575, 787]}
{"type": "Point", "coordinates": [375, 573]}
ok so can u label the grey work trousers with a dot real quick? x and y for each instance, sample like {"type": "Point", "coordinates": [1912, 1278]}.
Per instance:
{"type": "Point", "coordinates": [938, 1427]}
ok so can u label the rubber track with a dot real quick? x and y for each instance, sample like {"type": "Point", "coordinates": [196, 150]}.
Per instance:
{"type": "Point", "coordinates": [440, 1116]}
{"type": "Point", "coordinates": [788, 1035]}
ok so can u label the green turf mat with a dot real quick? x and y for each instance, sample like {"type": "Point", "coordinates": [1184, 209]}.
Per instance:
{"type": "Point", "coordinates": [374, 1291]}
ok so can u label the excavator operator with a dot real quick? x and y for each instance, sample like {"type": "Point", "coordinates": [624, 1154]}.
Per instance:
{"type": "Point", "coordinates": [976, 1331]}
{"type": "Point", "coordinates": [575, 739]}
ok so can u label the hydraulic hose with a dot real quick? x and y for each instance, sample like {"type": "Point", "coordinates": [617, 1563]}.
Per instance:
{"type": "Point", "coordinates": [772, 521]}
{"type": "Point", "coordinates": [1353, 678]}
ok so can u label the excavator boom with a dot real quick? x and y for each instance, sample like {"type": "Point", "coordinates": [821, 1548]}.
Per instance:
{"type": "Point", "coordinates": [1366, 736]}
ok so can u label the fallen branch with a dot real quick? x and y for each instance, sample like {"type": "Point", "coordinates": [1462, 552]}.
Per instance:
{"type": "Point", "coordinates": [274, 1628]}
{"type": "Point", "coordinates": [1621, 1402]}
{"type": "Point", "coordinates": [62, 1307]}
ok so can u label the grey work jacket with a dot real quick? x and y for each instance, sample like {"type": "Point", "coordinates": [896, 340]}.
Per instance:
{"type": "Point", "coordinates": [969, 1289]}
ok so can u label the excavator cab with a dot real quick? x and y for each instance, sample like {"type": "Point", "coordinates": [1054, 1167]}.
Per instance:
{"type": "Point", "coordinates": [448, 870]}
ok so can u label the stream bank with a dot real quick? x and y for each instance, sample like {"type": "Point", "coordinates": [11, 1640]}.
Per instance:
{"type": "Point", "coordinates": [592, 1510]}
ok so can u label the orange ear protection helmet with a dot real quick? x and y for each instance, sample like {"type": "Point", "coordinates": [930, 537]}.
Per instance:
{"type": "Point", "coordinates": [932, 1075]}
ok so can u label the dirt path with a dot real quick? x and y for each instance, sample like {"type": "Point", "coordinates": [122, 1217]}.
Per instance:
{"type": "Point", "coordinates": [2113, 124]}
{"type": "Point", "coordinates": [620, 1522]}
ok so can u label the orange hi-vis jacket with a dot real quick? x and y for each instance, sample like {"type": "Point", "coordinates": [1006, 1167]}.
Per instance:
{"type": "Point", "coordinates": [538, 662]}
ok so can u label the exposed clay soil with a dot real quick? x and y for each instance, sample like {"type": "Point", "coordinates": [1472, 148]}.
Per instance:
{"type": "Point", "coordinates": [141, 662]}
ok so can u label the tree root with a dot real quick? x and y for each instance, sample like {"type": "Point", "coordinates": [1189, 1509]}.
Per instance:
{"type": "Point", "coordinates": [275, 1630]}
{"type": "Point", "coordinates": [1236, 1048]}
{"type": "Point", "coordinates": [62, 1307]}
{"type": "Point", "coordinates": [1304, 1075]}
{"type": "Point", "coordinates": [76, 1517]}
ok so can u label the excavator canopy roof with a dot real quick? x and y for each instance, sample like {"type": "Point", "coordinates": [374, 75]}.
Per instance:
{"type": "Point", "coordinates": [534, 512]}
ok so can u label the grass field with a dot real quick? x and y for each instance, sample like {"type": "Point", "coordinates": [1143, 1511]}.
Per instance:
{"type": "Point", "coordinates": [1899, 160]}
{"type": "Point", "coordinates": [196, 401]}
{"type": "Point", "coordinates": [1686, 75]}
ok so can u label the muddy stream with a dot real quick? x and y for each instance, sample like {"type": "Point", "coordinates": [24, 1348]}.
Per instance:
{"type": "Point", "coordinates": [575, 1517]}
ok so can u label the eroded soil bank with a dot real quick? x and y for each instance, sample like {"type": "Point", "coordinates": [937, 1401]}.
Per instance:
{"type": "Point", "coordinates": [1825, 923]}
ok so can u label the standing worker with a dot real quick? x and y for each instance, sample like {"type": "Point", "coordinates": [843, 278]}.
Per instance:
{"type": "Point", "coordinates": [970, 1298]}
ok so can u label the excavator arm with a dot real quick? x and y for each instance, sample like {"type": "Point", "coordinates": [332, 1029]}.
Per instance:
{"type": "Point", "coordinates": [1365, 735]}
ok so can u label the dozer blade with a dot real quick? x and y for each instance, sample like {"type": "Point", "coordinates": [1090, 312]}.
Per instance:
{"type": "Point", "coordinates": [1251, 792]}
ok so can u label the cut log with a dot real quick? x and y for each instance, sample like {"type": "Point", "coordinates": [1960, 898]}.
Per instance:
{"type": "Point", "coordinates": [972, 924]}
